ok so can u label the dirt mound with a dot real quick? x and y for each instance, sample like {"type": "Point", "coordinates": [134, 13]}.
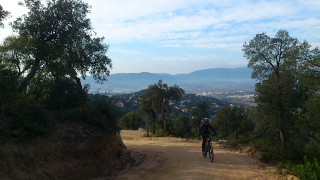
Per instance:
{"type": "Point", "coordinates": [72, 151]}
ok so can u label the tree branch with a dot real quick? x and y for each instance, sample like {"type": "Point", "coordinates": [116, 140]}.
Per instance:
{"type": "Point", "coordinates": [266, 59]}
{"type": "Point", "coordinates": [312, 135]}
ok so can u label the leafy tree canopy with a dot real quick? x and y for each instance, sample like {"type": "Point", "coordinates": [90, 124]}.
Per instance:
{"type": "Point", "coordinates": [288, 90]}
{"type": "Point", "coordinates": [266, 55]}
{"type": "Point", "coordinates": [55, 38]}
{"type": "Point", "coordinates": [155, 101]}
{"type": "Point", "coordinates": [3, 15]}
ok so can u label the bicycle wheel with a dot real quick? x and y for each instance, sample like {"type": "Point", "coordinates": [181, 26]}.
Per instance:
{"type": "Point", "coordinates": [205, 155]}
{"type": "Point", "coordinates": [211, 154]}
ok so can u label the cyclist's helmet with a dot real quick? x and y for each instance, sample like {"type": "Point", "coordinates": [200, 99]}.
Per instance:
{"type": "Point", "coordinates": [206, 121]}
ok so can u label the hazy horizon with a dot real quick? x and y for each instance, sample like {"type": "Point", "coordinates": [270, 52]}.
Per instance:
{"type": "Point", "coordinates": [179, 73]}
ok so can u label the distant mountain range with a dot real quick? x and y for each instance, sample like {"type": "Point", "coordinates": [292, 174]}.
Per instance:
{"type": "Point", "coordinates": [201, 80]}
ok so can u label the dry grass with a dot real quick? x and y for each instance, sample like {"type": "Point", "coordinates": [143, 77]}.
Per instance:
{"type": "Point", "coordinates": [141, 136]}
{"type": "Point", "coordinates": [170, 139]}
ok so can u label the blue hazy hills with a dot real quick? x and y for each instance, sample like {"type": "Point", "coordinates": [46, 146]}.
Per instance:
{"type": "Point", "coordinates": [201, 80]}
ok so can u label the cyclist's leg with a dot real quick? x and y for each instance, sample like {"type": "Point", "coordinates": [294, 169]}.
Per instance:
{"type": "Point", "coordinates": [212, 153]}
{"type": "Point", "coordinates": [203, 144]}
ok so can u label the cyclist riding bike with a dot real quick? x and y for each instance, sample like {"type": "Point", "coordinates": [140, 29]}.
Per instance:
{"type": "Point", "coordinates": [206, 130]}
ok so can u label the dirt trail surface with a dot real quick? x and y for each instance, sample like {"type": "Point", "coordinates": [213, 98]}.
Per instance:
{"type": "Point", "coordinates": [174, 158]}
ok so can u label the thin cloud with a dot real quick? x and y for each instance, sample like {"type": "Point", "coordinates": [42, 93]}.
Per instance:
{"type": "Point", "coordinates": [125, 51]}
{"type": "Point", "coordinates": [186, 58]}
{"type": "Point", "coordinates": [190, 20]}
{"type": "Point", "coordinates": [193, 30]}
{"type": "Point", "coordinates": [145, 20]}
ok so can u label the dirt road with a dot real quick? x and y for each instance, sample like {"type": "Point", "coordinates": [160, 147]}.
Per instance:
{"type": "Point", "coordinates": [173, 158]}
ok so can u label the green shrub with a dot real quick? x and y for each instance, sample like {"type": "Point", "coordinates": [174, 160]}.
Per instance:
{"type": "Point", "coordinates": [312, 149]}
{"type": "Point", "coordinates": [102, 113]}
{"type": "Point", "coordinates": [20, 116]}
{"type": "Point", "coordinates": [8, 86]}
{"type": "Point", "coordinates": [158, 133]}
{"type": "Point", "coordinates": [65, 93]}
{"type": "Point", "coordinates": [131, 120]}
{"type": "Point", "coordinates": [194, 132]}
{"type": "Point", "coordinates": [33, 119]}
{"type": "Point", "coordinates": [57, 94]}
{"type": "Point", "coordinates": [269, 151]}
{"type": "Point", "coordinates": [308, 170]}
{"type": "Point", "coordinates": [181, 126]}
{"type": "Point", "coordinates": [70, 114]}
{"type": "Point", "coordinates": [24, 119]}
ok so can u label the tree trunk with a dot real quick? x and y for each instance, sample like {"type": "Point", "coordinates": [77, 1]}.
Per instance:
{"type": "Point", "coordinates": [282, 118]}
{"type": "Point", "coordinates": [283, 142]}
{"type": "Point", "coordinates": [163, 118]}
{"type": "Point", "coordinates": [153, 126]}
{"type": "Point", "coordinates": [147, 126]}
{"type": "Point", "coordinates": [237, 133]}
{"type": "Point", "coordinates": [199, 125]}
{"type": "Point", "coordinates": [262, 132]}
{"type": "Point", "coordinates": [78, 81]}
{"type": "Point", "coordinates": [282, 133]}
{"type": "Point", "coordinates": [164, 127]}
{"type": "Point", "coordinates": [226, 128]}
{"type": "Point", "coordinates": [25, 82]}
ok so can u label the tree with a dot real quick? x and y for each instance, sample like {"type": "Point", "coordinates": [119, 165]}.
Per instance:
{"type": "Point", "coordinates": [155, 102]}
{"type": "Point", "coordinates": [275, 63]}
{"type": "Point", "coordinates": [55, 38]}
{"type": "Point", "coordinates": [182, 126]}
{"type": "Point", "coordinates": [3, 15]}
{"type": "Point", "coordinates": [200, 112]}
{"type": "Point", "coordinates": [8, 79]}
{"type": "Point", "coordinates": [310, 81]}
{"type": "Point", "coordinates": [149, 112]}
{"type": "Point", "coordinates": [131, 120]}
{"type": "Point", "coordinates": [222, 120]}
{"type": "Point", "coordinates": [233, 123]}
{"type": "Point", "coordinates": [100, 112]}
{"type": "Point", "coordinates": [54, 43]}
{"type": "Point", "coordinates": [240, 125]}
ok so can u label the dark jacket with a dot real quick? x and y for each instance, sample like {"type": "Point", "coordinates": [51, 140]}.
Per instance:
{"type": "Point", "coordinates": [207, 129]}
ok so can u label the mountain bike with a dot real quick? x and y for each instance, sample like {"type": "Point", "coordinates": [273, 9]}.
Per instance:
{"type": "Point", "coordinates": [209, 149]}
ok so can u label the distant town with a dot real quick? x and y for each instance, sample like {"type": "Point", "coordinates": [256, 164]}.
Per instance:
{"type": "Point", "coordinates": [128, 102]}
{"type": "Point", "coordinates": [245, 97]}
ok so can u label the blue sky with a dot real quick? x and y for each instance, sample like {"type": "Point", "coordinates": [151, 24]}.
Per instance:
{"type": "Point", "coordinates": [181, 36]}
